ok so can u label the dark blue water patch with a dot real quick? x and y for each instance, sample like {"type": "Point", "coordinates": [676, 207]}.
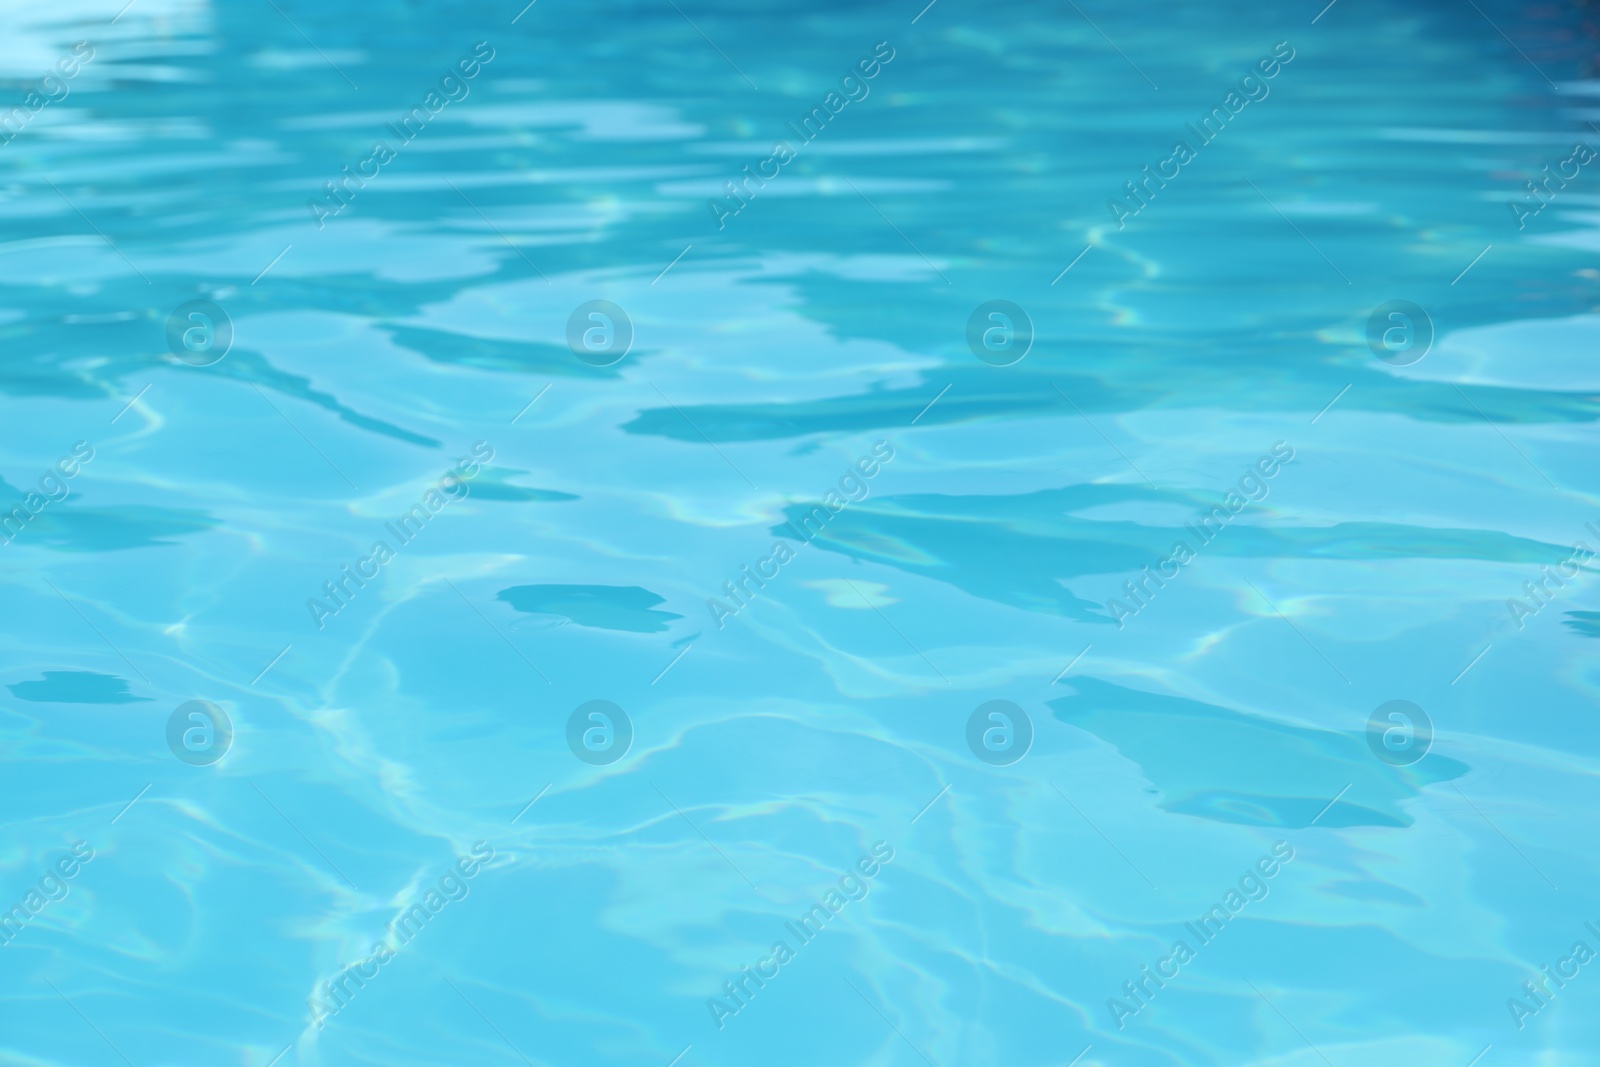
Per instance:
{"type": "Point", "coordinates": [251, 367]}
{"type": "Point", "coordinates": [45, 359]}
{"type": "Point", "coordinates": [71, 527]}
{"type": "Point", "coordinates": [68, 525]}
{"type": "Point", "coordinates": [1585, 623]}
{"type": "Point", "coordinates": [1227, 766]}
{"type": "Point", "coordinates": [1287, 812]}
{"type": "Point", "coordinates": [494, 483]}
{"type": "Point", "coordinates": [998, 547]}
{"type": "Point", "coordinates": [488, 353]}
{"type": "Point", "coordinates": [628, 608]}
{"type": "Point", "coordinates": [87, 353]}
{"type": "Point", "coordinates": [981, 396]}
{"type": "Point", "coordinates": [75, 687]}
{"type": "Point", "coordinates": [1374, 890]}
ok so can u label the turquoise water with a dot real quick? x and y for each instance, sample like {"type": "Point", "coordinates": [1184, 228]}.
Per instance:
{"type": "Point", "coordinates": [931, 602]}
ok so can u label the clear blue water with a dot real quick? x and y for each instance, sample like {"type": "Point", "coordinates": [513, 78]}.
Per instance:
{"type": "Point", "coordinates": [413, 839]}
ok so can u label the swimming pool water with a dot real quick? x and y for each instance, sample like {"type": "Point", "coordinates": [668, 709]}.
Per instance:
{"type": "Point", "coordinates": [708, 534]}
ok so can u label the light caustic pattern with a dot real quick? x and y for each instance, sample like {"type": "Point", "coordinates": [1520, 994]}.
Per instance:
{"type": "Point", "coordinates": [699, 534]}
